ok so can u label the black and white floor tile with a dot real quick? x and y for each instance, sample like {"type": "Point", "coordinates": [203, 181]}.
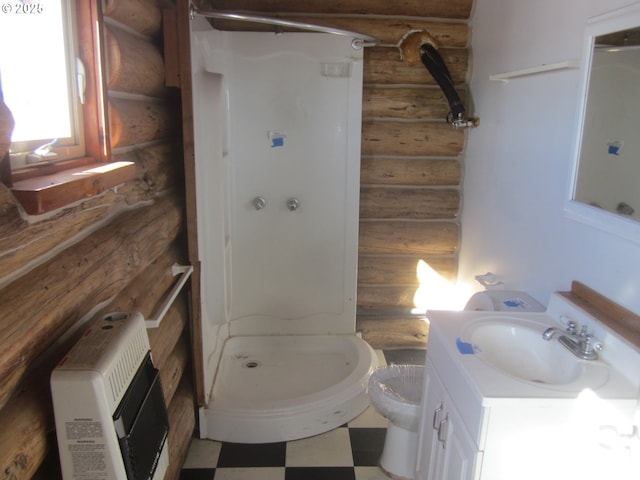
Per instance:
{"type": "Point", "coordinates": [350, 452]}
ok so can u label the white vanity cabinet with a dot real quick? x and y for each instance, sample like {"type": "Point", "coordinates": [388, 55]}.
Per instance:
{"type": "Point", "coordinates": [478, 423]}
{"type": "Point", "coordinates": [447, 449]}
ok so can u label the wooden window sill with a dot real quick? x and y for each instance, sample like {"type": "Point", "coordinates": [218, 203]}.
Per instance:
{"type": "Point", "coordinates": [45, 193]}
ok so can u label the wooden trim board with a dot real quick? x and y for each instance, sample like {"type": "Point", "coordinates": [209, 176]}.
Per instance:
{"type": "Point", "coordinates": [619, 319]}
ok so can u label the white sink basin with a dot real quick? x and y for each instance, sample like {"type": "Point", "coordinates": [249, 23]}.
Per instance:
{"type": "Point", "coordinates": [516, 348]}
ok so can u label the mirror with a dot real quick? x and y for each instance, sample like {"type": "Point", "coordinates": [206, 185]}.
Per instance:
{"type": "Point", "coordinates": [605, 190]}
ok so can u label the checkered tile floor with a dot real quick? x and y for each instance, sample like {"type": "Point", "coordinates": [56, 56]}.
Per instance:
{"type": "Point", "coordinates": [350, 452]}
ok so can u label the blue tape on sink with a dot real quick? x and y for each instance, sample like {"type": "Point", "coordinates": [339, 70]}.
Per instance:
{"type": "Point", "coordinates": [464, 347]}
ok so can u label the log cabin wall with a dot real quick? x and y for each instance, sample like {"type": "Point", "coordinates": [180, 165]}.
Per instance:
{"type": "Point", "coordinates": [111, 252]}
{"type": "Point", "coordinates": [411, 168]}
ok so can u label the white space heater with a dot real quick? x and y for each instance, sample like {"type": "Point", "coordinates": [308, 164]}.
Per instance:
{"type": "Point", "coordinates": [111, 418]}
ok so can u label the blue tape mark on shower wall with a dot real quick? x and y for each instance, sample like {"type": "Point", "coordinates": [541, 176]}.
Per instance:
{"type": "Point", "coordinates": [277, 138]}
{"type": "Point", "coordinates": [614, 147]}
{"type": "Point", "coordinates": [464, 347]}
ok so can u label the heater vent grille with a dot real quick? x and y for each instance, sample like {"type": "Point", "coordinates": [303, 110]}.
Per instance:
{"type": "Point", "coordinates": [128, 361]}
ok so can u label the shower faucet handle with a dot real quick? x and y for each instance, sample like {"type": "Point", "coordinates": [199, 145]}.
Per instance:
{"type": "Point", "coordinates": [259, 203]}
{"type": "Point", "coordinates": [293, 204]}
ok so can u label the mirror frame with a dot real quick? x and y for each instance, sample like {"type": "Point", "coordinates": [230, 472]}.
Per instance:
{"type": "Point", "coordinates": [614, 21]}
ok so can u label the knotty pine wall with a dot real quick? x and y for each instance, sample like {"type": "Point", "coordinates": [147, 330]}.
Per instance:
{"type": "Point", "coordinates": [110, 252]}
{"type": "Point", "coordinates": [411, 159]}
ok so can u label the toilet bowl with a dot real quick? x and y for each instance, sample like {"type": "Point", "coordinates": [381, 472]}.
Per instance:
{"type": "Point", "coordinates": [395, 392]}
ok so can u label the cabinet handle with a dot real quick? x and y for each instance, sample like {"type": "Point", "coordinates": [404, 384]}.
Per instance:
{"type": "Point", "coordinates": [436, 416]}
{"type": "Point", "coordinates": [442, 431]}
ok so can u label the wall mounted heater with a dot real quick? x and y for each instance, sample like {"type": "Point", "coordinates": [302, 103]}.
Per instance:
{"type": "Point", "coordinates": [111, 418]}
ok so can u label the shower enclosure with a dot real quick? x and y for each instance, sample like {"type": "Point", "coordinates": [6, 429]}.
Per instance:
{"type": "Point", "coordinates": [277, 155]}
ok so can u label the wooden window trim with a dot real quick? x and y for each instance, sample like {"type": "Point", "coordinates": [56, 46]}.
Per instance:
{"type": "Point", "coordinates": [90, 34]}
{"type": "Point", "coordinates": [41, 189]}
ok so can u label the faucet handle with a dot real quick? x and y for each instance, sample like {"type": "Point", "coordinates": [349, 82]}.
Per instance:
{"type": "Point", "coordinates": [572, 327]}
{"type": "Point", "coordinates": [583, 332]}
{"type": "Point", "coordinates": [588, 346]}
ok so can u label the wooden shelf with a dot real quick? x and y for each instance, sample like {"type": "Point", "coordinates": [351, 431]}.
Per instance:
{"type": "Point", "coordinates": [42, 194]}
{"type": "Point", "coordinates": [546, 67]}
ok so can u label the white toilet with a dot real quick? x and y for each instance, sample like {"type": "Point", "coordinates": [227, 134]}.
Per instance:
{"type": "Point", "coordinates": [395, 392]}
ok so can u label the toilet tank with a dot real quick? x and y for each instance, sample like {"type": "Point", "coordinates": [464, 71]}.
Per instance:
{"type": "Point", "coordinates": [503, 301]}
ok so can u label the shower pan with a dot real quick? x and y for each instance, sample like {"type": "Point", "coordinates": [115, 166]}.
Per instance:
{"type": "Point", "coordinates": [277, 121]}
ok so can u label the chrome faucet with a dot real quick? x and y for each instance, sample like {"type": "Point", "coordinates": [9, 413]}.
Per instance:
{"type": "Point", "coordinates": [549, 333]}
{"type": "Point", "coordinates": [580, 344]}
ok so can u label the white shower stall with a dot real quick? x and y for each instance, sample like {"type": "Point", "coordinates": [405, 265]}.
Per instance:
{"type": "Point", "coordinates": [277, 122]}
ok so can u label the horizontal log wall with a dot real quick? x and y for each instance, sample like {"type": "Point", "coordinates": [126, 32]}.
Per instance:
{"type": "Point", "coordinates": [411, 158]}
{"type": "Point", "coordinates": [114, 250]}
{"type": "Point", "coordinates": [410, 179]}
{"type": "Point", "coordinates": [419, 8]}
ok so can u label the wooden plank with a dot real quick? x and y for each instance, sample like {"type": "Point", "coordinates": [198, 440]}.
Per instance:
{"type": "Point", "coordinates": [434, 8]}
{"type": "Point", "coordinates": [46, 193]}
{"type": "Point", "coordinates": [90, 35]}
{"type": "Point", "coordinates": [184, 46]}
{"type": "Point", "coordinates": [174, 368]}
{"type": "Point", "coordinates": [26, 173]}
{"type": "Point", "coordinates": [401, 269]}
{"type": "Point", "coordinates": [143, 16]}
{"type": "Point", "coordinates": [133, 65]}
{"type": "Point", "coordinates": [164, 338]}
{"type": "Point", "coordinates": [415, 138]}
{"type": "Point", "coordinates": [622, 321]}
{"type": "Point", "coordinates": [171, 48]}
{"type": "Point", "coordinates": [410, 171]}
{"type": "Point", "coordinates": [393, 332]}
{"type": "Point", "coordinates": [181, 426]}
{"type": "Point", "coordinates": [410, 103]}
{"type": "Point", "coordinates": [409, 203]}
{"type": "Point", "coordinates": [388, 31]}
{"type": "Point", "coordinates": [97, 268]}
{"type": "Point", "coordinates": [386, 298]}
{"type": "Point", "coordinates": [414, 238]}
{"type": "Point", "coordinates": [137, 121]}
{"type": "Point", "coordinates": [383, 65]}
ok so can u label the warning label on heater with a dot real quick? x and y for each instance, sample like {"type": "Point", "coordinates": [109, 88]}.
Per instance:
{"type": "Point", "coordinates": [88, 461]}
{"type": "Point", "coordinates": [86, 449]}
{"type": "Point", "coordinates": [83, 430]}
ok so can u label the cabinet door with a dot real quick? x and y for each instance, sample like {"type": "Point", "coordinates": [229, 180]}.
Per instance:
{"type": "Point", "coordinates": [460, 456]}
{"type": "Point", "coordinates": [445, 448]}
{"type": "Point", "coordinates": [433, 413]}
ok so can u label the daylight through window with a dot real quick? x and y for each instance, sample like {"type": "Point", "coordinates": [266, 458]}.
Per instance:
{"type": "Point", "coordinates": [39, 80]}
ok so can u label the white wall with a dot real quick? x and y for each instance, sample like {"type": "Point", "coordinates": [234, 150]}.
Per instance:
{"type": "Point", "coordinates": [518, 161]}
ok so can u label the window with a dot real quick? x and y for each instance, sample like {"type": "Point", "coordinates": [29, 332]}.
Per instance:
{"type": "Point", "coordinates": [48, 127]}
{"type": "Point", "coordinates": [43, 81]}
{"type": "Point", "coordinates": [52, 81]}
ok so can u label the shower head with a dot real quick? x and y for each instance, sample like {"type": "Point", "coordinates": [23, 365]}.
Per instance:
{"type": "Point", "coordinates": [418, 46]}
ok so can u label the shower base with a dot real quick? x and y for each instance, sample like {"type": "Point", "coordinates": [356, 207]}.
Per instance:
{"type": "Point", "coordinates": [281, 388]}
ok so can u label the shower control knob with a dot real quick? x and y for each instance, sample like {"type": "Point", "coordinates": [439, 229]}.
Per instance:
{"type": "Point", "coordinates": [259, 203]}
{"type": "Point", "coordinates": [293, 204]}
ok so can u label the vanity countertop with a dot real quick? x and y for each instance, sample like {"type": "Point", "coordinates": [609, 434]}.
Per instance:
{"type": "Point", "coordinates": [450, 347]}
